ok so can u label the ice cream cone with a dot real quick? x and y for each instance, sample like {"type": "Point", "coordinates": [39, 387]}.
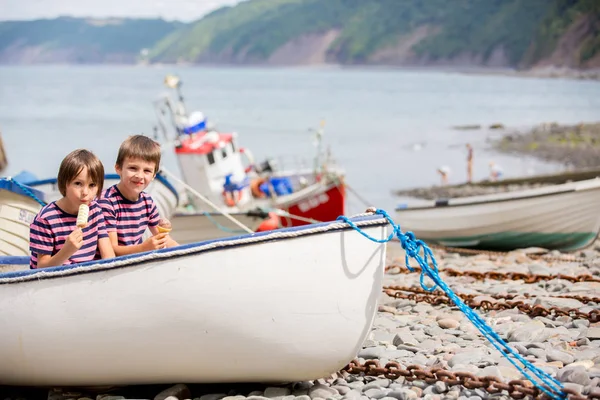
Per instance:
{"type": "Point", "coordinates": [164, 230]}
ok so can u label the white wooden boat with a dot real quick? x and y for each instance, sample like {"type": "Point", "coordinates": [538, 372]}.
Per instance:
{"type": "Point", "coordinates": [165, 196]}
{"type": "Point", "coordinates": [18, 208]}
{"type": "Point", "coordinates": [563, 217]}
{"type": "Point", "coordinates": [286, 305]}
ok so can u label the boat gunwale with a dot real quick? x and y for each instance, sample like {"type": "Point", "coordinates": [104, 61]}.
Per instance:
{"type": "Point", "coordinates": [161, 178]}
{"type": "Point", "coordinates": [132, 260]}
{"type": "Point", "coordinates": [506, 196]}
{"type": "Point", "coordinates": [11, 185]}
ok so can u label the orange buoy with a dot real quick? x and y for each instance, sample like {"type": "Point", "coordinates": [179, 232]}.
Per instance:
{"type": "Point", "coordinates": [270, 223]}
{"type": "Point", "coordinates": [255, 188]}
{"type": "Point", "coordinates": [230, 199]}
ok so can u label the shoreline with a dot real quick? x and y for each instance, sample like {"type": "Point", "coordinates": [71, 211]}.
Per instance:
{"type": "Point", "coordinates": [550, 72]}
{"type": "Point", "coordinates": [576, 147]}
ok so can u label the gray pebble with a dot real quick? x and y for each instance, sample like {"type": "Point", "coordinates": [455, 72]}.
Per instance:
{"type": "Point", "coordinates": [275, 391]}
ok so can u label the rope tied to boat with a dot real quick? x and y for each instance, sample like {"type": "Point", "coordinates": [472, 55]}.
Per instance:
{"type": "Point", "coordinates": [25, 190]}
{"type": "Point", "coordinates": [420, 252]}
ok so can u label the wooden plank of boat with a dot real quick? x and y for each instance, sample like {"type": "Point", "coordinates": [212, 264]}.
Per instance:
{"type": "Point", "coordinates": [288, 305]}
{"type": "Point", "coordinates": [17, 210]}
{"type": "Point", "coordinates": [564, 217]}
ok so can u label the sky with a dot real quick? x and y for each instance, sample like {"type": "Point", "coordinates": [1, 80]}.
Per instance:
{"type": "Point", "coordinates": [181, 10]}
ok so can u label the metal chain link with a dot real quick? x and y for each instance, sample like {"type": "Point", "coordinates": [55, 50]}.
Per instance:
{"type": "Point", "coordinates": [496, 254]}
{"type": "Point", "coordinates": [486, 305]}
{"type": "Point", "coordinates": [501, 276]}
{"type": "Point", "coordinates": [517, 389]}
{"type": "Point", "coordinates": [505, 296]}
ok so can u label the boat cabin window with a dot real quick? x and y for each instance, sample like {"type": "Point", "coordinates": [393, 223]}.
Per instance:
{"type": "Point", "coordinates": [224, 152]}
{"type": "Point", "coordinates": [211, 158]}
{"type": "Point", "coordinates": [233, 150]}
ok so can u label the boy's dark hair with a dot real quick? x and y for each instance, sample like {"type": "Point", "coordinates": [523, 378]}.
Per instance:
{"type": "Point", "coordinates": [142, 147]}
{"type": "Point", "coordinates": [74, 163]}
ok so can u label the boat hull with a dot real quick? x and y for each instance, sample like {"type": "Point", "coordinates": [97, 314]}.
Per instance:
{"type": "Point", "coordinates": [320, 202]}
{"type": "Point", "coordinates": [564, 217]}
{"type": "Point", "coordinates": [17, 211]}
{"type": "Point", "coordinates": [267, 307]}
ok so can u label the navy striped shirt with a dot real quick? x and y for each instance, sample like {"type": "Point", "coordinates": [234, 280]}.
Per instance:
{"type": "Point", "coordinates": [128, 218]}
{"type": "Point", "coordinates": [51, 227]}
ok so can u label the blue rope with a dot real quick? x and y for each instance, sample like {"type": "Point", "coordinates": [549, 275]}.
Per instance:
{"type": "Point", "coordinates": [413, 249]}
{"type": "Point", "coordinates": [221, 227]}
{"type": "Point", "coordinates": [25, 190]}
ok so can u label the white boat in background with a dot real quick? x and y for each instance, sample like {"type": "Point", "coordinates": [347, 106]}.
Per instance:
{"type": "Point", "coordinates": [288, 305]}
{"type": "Point", "coordinates": [562, 217]}
{"type": "Point", "coordinates": [165, 196]}
{"type": "Point", "coordinates": [19, 205]}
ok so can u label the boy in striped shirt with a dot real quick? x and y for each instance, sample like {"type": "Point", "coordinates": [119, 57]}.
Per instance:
{"type": "Point", "coordinates": [54, 238]}
{"type": "Point", "coordinates": [127, 209]}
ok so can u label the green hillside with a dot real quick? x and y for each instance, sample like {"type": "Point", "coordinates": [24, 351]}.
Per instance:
{"type": "Point", "coordinates": [505, 33]}
{"type": "Point", "coordinates": [527, 30]}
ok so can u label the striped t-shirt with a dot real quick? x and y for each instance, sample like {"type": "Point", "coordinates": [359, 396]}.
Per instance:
{"type": "Point", "coordinates": [128, 218]}
{"type": "Point", "coordinates": [51, 227]}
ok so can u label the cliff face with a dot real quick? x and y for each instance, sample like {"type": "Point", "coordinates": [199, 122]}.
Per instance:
{"type": "Point", "coordinates": [532, 34]}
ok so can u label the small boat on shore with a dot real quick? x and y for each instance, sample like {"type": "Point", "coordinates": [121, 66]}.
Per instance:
{"type": "Point", "coordinates": [19, 205]}
{"type": "Point", "coordinates": [563, 217]}
{"type": "Point", "coordinates": [499, 186]}
{"type": "Point", "coordinates": [289, 305]}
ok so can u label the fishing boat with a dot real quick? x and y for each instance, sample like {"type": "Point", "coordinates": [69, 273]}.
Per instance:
{"type": "Point", "coordinates": [19, 204]}
{"type": "Point", "coordinates": [214, 164]}
{"type": "Point", "coordinates": [289, 305]}
{"type": "Point", "coordinates": [563, 217]}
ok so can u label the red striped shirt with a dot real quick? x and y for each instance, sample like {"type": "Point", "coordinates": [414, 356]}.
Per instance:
{"type": "Point", "coordinates": [128, 218]}
{"type": "Point", "coordinates": [51, 227]}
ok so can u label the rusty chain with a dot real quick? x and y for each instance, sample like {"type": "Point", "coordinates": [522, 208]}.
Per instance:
{"type": "Point", "coordinates": [517, 389]}
{"type": "Point", "coordinates": [505, 296]}
{"type": "Point", "coordinates": [487, 305]}
{"type": "Point", "coordinates": [496, 254]}
{"type": "Point", "coordinates": [501, 276]}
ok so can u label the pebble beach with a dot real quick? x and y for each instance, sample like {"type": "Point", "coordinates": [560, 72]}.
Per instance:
{"type": "Point", "coordinates": [411, 328]}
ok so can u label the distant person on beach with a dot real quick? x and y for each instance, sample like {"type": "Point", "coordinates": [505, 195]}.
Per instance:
{"type": "Point", "coordinates": [128, 210]}
{"type": "Point", "coordinates": [55, 236]}
{"type": "Point", "coordinates": [444, 172]}
{"type": "Point", "coordinates": [469, 163]}
{"type": "Point", "coordinates": [495, 172]}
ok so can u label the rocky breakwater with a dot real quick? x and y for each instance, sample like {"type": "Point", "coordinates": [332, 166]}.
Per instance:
{"type": "Point", "coordinates": [576, 146]}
